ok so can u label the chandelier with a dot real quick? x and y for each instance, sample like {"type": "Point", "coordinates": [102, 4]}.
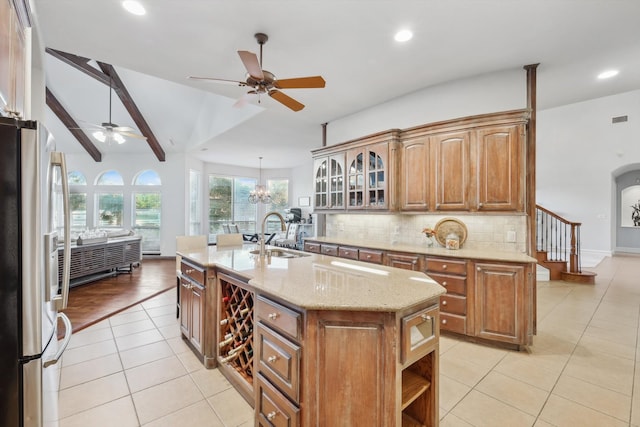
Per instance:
{"type": "Point", "coordinates": [260, 193]}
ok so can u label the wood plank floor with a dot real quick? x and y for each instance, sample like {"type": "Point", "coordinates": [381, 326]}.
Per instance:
{"type": "Point", "coordinates": [95, 301]}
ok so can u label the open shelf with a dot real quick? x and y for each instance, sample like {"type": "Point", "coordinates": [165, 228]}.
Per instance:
{"type": "Point", "coordinates": [409, 421]}
{"type": "Point", "coordinates": [413, 386]}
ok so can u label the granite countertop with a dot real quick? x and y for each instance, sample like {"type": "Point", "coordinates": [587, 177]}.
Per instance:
{"type": "Point", "coordinates": [485, 254]}
{"type": "Point", "coordinates": [320, 282]}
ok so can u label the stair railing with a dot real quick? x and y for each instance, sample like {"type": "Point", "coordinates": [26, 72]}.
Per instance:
{"type": "Point", "coordinates": [559, 238]}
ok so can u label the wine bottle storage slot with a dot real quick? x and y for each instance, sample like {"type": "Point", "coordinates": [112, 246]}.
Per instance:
{"type": "Point", "coordinates": [235, 347]}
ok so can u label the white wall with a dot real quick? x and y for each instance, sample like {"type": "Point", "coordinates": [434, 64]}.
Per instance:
{"type": "Point", "coordinates": [578, 151]}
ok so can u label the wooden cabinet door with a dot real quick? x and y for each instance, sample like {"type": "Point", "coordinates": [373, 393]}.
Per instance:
{"type": "Point", "coordinates": [185, 307]}
{"type": "Point", "coordinates": [500, 302]}
{"type": "Point", "coordinates": [367, 175]}
{"type": "Point", "coordinates": [329, 182]}
{"type": "Point", "coordinates": [197, 316]}
{"type": "Point", "coordinates": [415, 175]}
{"type": "Point", "coordinates": [452, 169]}
{"type": "Point", "coordinates": [500, 170]}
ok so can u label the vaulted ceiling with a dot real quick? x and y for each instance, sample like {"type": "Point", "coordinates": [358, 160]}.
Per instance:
{"type": "Point", "coordinates": [350, 43]}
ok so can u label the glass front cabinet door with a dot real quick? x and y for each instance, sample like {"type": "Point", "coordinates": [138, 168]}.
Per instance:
{"type": "Point", "coordinates": [328, 181]}
{"type": "Point", "coordinates": [367, 176]}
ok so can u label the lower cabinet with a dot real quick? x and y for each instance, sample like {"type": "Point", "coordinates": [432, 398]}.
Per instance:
{"type": "Point", "coordinates": [192, 310]}
{"type": "Point", "coordinates": [403, 260]}
{"type": "Point", "coordinates": [503, 286]}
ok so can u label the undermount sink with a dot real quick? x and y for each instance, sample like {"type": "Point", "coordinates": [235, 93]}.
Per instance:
{"type": "Point", "coordinates": [280, 253]}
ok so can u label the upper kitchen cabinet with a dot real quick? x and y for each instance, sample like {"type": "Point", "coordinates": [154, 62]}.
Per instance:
{"type": "Point", "coordinates": [415, 176]}
{"type": "Point", "coordinates": [12, 60]}
{"type": "Point", "coordinates": [452, 168]}
{"type": "Point", "coordinates": [328, 181]}
{"type": "Point", "coordinates": [500, 168]}
{"type": "Point", "coordinates": [367, 180]}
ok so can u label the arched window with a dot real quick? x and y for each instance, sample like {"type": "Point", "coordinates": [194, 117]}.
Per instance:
{"type": "Point", "coordinates": [147, 199]}
{"type": "Point", "coordinates": [110, 203]}
{"type": "Point", "coordinates": [77, 201]}
{"type": "Point", "coordinates": [147, 177]}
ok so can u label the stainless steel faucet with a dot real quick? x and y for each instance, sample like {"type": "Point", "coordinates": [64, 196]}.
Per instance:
{"type": "Point", "coordinates": [264, 220]}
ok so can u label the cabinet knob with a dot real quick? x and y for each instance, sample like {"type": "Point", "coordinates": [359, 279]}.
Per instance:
{"type": "Point", "coordinates": [444, 302]}
{"type": "Point", "coordinates": [368, 256]}
{"type": "Point", "coordinates": [425, 318]}
{"type": "Point", "coordinates": [271, 415]}
{"type": "Point", "coordinates": [444, 321]}
{"type": "Point", "coordinates": [444, 266]}
{"type": "Point", "coordinates": [272, 316]}
{"type": "Point", "coordinates": [346, 252]}
{"type": "Point", "coordinates": [444, 283]}
{"type": "Point", "coordinates": [478, 268]}
{"type": "Point", "coordinates": [272, 359]}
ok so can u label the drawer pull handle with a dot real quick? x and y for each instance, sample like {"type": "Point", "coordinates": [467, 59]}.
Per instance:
{"type": "Point", "coordinates": [425, 318]}
{"type": "Point", "coordinates": [272, 316]}
{"type": "Point", "coordinates": [444, 283]}
{"type": "Point", "coordinates": [346, 252]}
{"type": "Point", "coordinates": [444, 302]}
{"type": "Point", "coordinates": [271, 415]}
{"type": "Point", "coordinates": [444, 266]}
{"type": "Point", "coordinates": [368, 256]}
{"type": "Point", "coordinates": [272, 359]}
{"type": "Point", "coordinates": [444, 321]}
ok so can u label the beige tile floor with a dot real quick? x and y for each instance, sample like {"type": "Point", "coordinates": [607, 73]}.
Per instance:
{"type": "Point", "coordinates": [134, 370]}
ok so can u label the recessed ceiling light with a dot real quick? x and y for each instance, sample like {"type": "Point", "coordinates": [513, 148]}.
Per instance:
{"type": "Point", "coordinates": [403, 36]}
{"type": "Point", "coordinates": [607, 74]}
{"type": "Point", "coordinates": [134, 7]}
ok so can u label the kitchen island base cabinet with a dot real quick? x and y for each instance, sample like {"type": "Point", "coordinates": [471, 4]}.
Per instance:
{"type": "Point", "coordinates": [192, 303]}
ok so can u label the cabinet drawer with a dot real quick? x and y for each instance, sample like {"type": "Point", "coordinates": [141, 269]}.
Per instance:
{"type": "Point", "coordinates": [312, 247]}
{"type": "Point", "coordinates": [345, 252]}
{"type": "Point", "coordinates": [453, 284]}
{"type": "Point", "coordinates": [329, 250]}
{"type": "Point", "coordinates": [453, 323]}
{"type": "Point", "coordinates": [370, 256]}
{"type": "Point", "coordinates": [273, 409]}
{"type": "Point", "coordinates": [419, 334]}
{"type": "Point", "coordinates": [195, 273]}
{"type": "Point", "coordinates": [279, 361]}
{"type": "Point", "coordinates": [443, 265]}
{"type": "Point", "coordinates": [279, 317]}
{"type": "Point", "coordinates": [453, 304]}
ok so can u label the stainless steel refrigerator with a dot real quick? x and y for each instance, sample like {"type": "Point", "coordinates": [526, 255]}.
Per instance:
{"type": "Point", "coordinates": [34, 209]}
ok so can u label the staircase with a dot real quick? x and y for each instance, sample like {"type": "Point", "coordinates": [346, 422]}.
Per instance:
{"type": "Point", "coordinates": [558, 247]}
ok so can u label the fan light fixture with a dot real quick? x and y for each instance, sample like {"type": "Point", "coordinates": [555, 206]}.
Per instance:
{"type": "Point", "coordinates": [260, 193]}
{"type": "Point", "coordinates": [403, 36]}
{"type": "Point", "coordinates": [134, 7]}
{"type": "Point", "coordinates": [108, 136]}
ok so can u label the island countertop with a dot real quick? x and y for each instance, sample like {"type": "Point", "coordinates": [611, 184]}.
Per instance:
{"type": "Point", "coordinates": [320, 282]}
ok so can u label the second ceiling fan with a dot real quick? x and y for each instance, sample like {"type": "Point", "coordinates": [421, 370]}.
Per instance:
{"type": "Point", "coordinates": [265, 82]}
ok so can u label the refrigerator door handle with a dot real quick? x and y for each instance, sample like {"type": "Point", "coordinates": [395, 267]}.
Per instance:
{"type": "Point", "coordinates": [63, 346]}
{"type": "Point", "coordinates": [57, 159]}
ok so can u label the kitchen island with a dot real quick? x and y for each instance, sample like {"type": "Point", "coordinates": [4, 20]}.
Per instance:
{"type": "Point", "coordinates": [312, 340]}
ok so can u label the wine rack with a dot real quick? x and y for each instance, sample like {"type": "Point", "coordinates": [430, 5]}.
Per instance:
{"type": "Point", "coordinates": [235, 347]}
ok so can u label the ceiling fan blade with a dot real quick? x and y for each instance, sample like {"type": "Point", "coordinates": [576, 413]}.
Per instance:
{"type": "Point", "coordinates": [236, 82]}
{"type": "Point", "coordinates": [132, 135]}
{"type": "Point", "coordinates": [300, 83]}
{"type": "Point", "coordinates": [250, 61]}
{"type": "Point", "coordinates": [286, 100]}
{"type": "Point", "coordinates": [123, 129]}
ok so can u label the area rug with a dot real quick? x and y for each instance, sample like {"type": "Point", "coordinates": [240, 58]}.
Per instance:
{"type": "Point", "coordinates": [95, 301]}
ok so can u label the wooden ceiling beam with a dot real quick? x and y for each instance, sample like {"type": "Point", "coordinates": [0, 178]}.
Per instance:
{"type": "Point", "coordinates": [133, 110]}
{"type": "Point", "coordinates": [110, 77]}
{"type": "Point", "coordinates": [73, 127]}
{"type": "Point", "coordinates": [79, 63]}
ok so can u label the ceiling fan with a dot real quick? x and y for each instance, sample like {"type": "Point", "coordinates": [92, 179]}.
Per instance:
{"type": "Point", "coordinates": [110, 132]}
{"type": "Point", "coordinates": [265, 82]}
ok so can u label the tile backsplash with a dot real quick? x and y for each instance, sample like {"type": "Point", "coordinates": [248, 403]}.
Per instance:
{"type": "Point", "coordinates": [484, 231]}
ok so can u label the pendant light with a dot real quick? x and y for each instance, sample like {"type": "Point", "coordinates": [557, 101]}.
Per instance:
{"type": "Point", "coordinates": [260, 193]}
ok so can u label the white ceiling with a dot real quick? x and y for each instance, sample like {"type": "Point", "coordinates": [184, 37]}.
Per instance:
{"type": "Point", "coordinates": [349, 43]}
